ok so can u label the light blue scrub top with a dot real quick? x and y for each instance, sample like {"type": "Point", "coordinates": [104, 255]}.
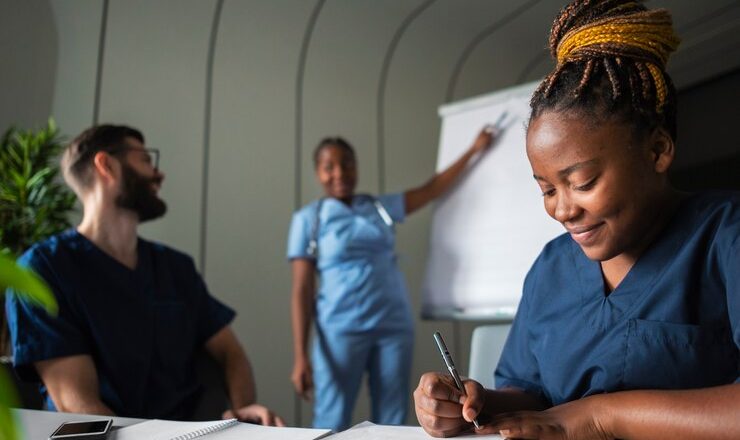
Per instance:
{"type": "Point", "coordinates": [361, 287]}
{"type": "Point", "coordinates": [672, 323]}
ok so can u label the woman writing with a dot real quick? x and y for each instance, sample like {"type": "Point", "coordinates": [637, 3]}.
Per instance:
{"type": "Point", "coordinates": [629, 324]}
{"type": "Point", "coordinates": [363, 317]}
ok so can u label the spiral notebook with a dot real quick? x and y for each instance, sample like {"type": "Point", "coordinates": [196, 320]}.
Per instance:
{"type": "Point", "coordinates": [215, 430]}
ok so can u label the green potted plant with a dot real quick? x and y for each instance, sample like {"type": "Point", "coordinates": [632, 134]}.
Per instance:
{"type": "Point", "coordinates": [34, 204]}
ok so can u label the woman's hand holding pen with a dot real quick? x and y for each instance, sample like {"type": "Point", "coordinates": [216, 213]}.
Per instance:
{"type": "Point", "coordinates": [484, 139]}
{"type": "Point", "coordinates": [444, 412]}
{"type": "Point", "coordinates": [302, 378]}
{"type": "Point", "coordinates": [441, 408]}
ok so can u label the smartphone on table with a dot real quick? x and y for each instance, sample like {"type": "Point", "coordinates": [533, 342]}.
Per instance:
{"type": "Point", "coordinates": [82, 430]}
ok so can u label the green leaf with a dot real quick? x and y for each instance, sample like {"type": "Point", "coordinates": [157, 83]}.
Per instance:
{"type": "Point", "coordinates": [9, 428]}
{"type": "Point", "coordinates": [52, 125]}
{"type": "Point", "coordinates": [38, 178]}
{"type": "Point", "coordinates": [18, 179]}
{"type": "Point", "coordinates": [27, 284]}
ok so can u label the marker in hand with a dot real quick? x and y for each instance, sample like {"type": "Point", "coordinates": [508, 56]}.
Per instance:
{"type": "Point", "coordinates": [451, 367]}
{"type": "Point", "coordinates": [498, 126]}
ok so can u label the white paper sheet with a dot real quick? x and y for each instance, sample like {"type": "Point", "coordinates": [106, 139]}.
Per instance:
{"type": "Point", "coordinates": [370, 431]}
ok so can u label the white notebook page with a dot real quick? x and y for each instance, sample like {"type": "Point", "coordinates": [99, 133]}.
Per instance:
{"type": "Point", "coordinates": [167, 430]}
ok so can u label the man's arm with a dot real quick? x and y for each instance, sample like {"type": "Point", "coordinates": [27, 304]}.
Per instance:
{"type": "Point", "coordinates": [226, 350]}
{"type": "Point", "coordinates": [72, 383]}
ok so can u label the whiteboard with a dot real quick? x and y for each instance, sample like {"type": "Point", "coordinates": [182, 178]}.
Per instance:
{"type": "Point", "coordinates": [487, 231]}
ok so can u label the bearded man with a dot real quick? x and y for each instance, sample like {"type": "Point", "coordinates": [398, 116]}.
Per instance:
{"type": "Point", "coordinates": [133, 314]}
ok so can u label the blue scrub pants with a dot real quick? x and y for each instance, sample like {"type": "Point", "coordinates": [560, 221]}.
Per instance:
{"type": "Point", "coordinates": [339, 363]}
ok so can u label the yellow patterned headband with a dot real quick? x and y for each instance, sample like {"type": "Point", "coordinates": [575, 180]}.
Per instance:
{"type": "Point", "coordinates": [646, 35]}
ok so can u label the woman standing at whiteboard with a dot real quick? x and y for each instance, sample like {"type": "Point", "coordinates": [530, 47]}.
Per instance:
{"type": "Point", "coordinates": [363, 318]}
{"type": "Point", "coordinates": [629, 323]}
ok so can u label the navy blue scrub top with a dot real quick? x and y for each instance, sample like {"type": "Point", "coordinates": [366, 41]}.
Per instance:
{"type": "Point", "coordinates": [142, 327]}
{"type": "Point", "coordinates": [672, 323]}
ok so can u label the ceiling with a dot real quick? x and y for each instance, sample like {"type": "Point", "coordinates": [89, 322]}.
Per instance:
{"type": "Point", "coordinates": [709, 30]}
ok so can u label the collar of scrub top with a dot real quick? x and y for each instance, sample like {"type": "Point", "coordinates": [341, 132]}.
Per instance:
{"type": "Point", "coordinates": [313, 243]}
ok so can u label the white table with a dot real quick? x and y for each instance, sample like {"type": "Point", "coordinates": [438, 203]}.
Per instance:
{"type": "Point", "coordinates": [37, 425]}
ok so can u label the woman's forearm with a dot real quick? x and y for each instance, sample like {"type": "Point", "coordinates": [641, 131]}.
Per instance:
{"type": "Point", "coordinates": [302, 304]}
{"type": "Point", "coordinates": [441, 182]}
{"type": "Point", "coordinates": [686, 414]}
{"type": "Point", "coordinates": [436, 186]}
{"type": "Point", "coordinates": [301, 314]}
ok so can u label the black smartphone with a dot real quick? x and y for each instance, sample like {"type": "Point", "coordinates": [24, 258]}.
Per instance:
{"type": "Point", "coordinates": [83, 430]}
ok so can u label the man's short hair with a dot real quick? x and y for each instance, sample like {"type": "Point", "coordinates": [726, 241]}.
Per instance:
{"type": "Point", "coordinates": [77, 158]}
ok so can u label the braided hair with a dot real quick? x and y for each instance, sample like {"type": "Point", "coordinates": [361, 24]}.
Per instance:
{"type": "Point", "coordinates": [611, 57]}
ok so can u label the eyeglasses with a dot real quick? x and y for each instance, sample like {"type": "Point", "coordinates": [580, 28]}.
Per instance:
{"type": "Point", "coordinates": [152, 153]}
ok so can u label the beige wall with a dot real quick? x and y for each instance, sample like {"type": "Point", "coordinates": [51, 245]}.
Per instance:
{"type": "Point", "coordinates": [283, 74]}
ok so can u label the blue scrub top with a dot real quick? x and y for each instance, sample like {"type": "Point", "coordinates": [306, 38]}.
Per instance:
{"type": "Point", "coordinates": [361, 287]}
{"type": "Point", "coordinates": [672, 323]}
{"type": "Point", "coordinates": [142, 327]}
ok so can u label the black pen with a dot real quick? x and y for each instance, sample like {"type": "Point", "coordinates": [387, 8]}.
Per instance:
{"type": "Point", "coordinates": [451, 367]}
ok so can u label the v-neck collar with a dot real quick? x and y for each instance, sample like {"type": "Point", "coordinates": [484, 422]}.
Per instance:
{"type": "Point", "coordinates": [353, 205]}
{"type": "Point", "coordinates": [642, 276]}
{"type": "Point", "coordinates": [141, 255]}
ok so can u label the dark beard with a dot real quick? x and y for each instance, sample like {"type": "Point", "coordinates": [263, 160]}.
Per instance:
{"type": "Point", "coordinates": [137, 195]}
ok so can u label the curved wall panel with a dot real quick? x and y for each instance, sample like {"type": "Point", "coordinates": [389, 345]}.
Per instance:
{"type": "Point", "coordinates": [343, 66]}
{"type": "Point", "coordinates": [154, 79]}
{"type": "Point", "coordinates": [498, 61]}
{"type": "Point", "coordinates": [74, 86]}
{"type": "Point", "coordinates": [251, 189]}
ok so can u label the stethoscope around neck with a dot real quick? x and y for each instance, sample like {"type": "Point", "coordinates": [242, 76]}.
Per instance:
{"type": "Point", "coordinates": [313, 244]}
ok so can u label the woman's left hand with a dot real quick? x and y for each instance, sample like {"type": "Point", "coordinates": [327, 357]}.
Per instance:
{"type": "Point", "coordinates": [577, 420]}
